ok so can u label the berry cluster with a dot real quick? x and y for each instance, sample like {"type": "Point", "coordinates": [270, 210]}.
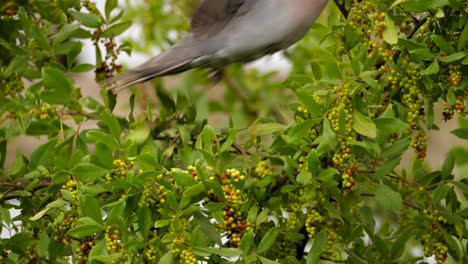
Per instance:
{"type": "Point", "coordinates": [455, 74]}
{"type": "Point", "coordinates": [61, 225]}
{"type": "Point", "coordinates": [229, 180]}
{"type": "Point", "coordinates": [435, 243]}
{"type": "Point", "coordinates": [294, 210]}
{"type": "Point", "coordinates": [458, 107]}
{"type": "Point", "coordinates": [330, 252]}
{"type": "Point", "coordinates": [31, 255]}
{"type": "Point", "coordinates": [109, 66]}
{"type": "Point", "coordinates": [44, 112]}
{"type": "Point", "coordinates": [120, 170]}
{"type": "Point", "coordinates": [187, 257]}
{"type": "Point", "coordinates": [9, 9]}
{"type": "Point", "coordinates": [234, 225]}
{"type": "Point", "coordinates": [72, 187]}
{"type": "Point", "coordinates": [286, 248]}
{"type": "Point", "coordinates": [114, 243]}
{"type": "Point", "coordinates": [83, 251]}
{"type": "Point", "coordinates": [11, 85]}
{"type": "Point", "coordinates": [429, 25]}
{"type": "Point", "coordinates": [341, 118]}
{"type": "Point", "coordinates": [359, 18]}
{"type": "Point", "coordinates": [418, 143]}
{"type": "Point", "coordinates": [411, 91]}
{"type": "Point", "coordinates": [153, 194]}
{"type": "Point", "coordinates": [315, 222]}
{"type": "Point", "coordinates": [262, 170]}
{"type": "Point", "coordinates": [151, 251]}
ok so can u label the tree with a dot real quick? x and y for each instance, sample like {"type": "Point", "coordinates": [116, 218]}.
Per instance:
{"type": "Point", "coordinates": [311, 181]}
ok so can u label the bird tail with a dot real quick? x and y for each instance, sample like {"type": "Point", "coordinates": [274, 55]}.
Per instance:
{"type": "Point", "coordinates": [169, 62]}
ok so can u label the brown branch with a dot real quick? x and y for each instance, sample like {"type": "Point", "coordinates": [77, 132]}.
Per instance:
{"type": "Point", "coordinates": [342, 7]}
{"type": "Point", "coordinates": [238, 149]}
{"type": "Point", "coordinates": [12, 195]}
{"type": "Point", "coordinates": [280, 183]}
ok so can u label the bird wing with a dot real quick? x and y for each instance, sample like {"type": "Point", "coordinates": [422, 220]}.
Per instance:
{"type": "Point", "coordinates": [213, 15]}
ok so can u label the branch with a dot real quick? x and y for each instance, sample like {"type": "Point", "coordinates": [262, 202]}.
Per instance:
{"type": "Point", "coordinates": [12, 195]}
{"type": "Point", "coordinates": [280, 183]}
{"type": "Point", "coordinates": [344, 11]}
{"type": "Point", "coordinates": [342, 7]}
{"type": "Point", "coordinates": [407, 203]}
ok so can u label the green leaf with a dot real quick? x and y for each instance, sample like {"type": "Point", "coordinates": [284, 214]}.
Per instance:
{"type": "Point", "coordinates": [390, 33]}
{"type": "Point", "coordinates": [423, 54]}
{"type": "Point", "coordinates": [443, 44]}
{"type": "Point", "coordinates": [423, 5]}
{"type": "Point", "coordinates": [320, 242]}
{"type": "Point", "coordinates": [301, 130]}
{"type": "Point", "coordinates": [313, 107]}
{"type": "Point", "coordinates": [182, 178]}
{"type": "Point", "coordinates": [144, 221]}
{"type": "Point", "coordinates": [288, 188]}
{"type": "Point", "coordinates": [112, 123]}
{"type": "Point", "coordinates": [247, 241]}
{"type": "Point", "coordinates": [304, 177]}
{"type": "Point", "coordinates": [166, 258]}
{"type": "Point", "coordinates": [230, 140]}
{"type": "Point", "coordinates": [161, 223]}
{"type": "Point", "coordinates": [448, 165]}
{"type": "Point", "coordinates": [363, 125]}
{"type": "Point", "coordinates": [328, 141]}
{"type": "Point", "coordinates": [399, 245]}
{"type": "Point", "coordinates": [460, 133]}
{"type": "Point", "coordinates": [39, 214]}
{"type": "Point", "coordinates": [453, 57]}
{"type": "Point", "coordinates": [388, 167]}
{"type": "Point", "coordinates": [64, 33]}
{"type": "Point", "coordinates": [86, 227]}
{"type": "Point", "coordinates": [87, 19]}
{"type": "Point", "coordinates": [106, 139]}
{"type": "Point", "coordinates": [88, 173]}
{"type": "Point", "coordinates": [194, 190]}
{"type": "Point", "coordinates": [110, 5]}
{"type": "Point", "coordinates": [205, 139]}
{"type": "Point", "coordinates": [397, 148]}
{"type": "Point", "coordinates": [39, 36]}
{"type": "Point", "coordinates": [84, 67]}
{"type": "Point", "coordinates": [266, 129]}
{"type": "Point", "coordinates": [116, 214]}
{"type": "Point", "coordinates": [17, 65]}
{"type": "Point", "coordinates": [266, 261]}
{"type": "Point", "coordinates": [116, 30]}
{"type": "Point", "coordinates": [388, 199]}
{"type": "Point", "coordinates": [432, 69]}
{"type": "Point", "coordinates": [463, 37]}
{"type": "Point", "coordinates": [89, 207]}
{"type": "Point", "coordinates": [58, 87]}
{"type": "Point", "coordinates": [268, 240]}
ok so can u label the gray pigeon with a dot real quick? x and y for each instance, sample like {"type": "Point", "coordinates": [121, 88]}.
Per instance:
{"type": "Point", "coordinates": [229, 31]}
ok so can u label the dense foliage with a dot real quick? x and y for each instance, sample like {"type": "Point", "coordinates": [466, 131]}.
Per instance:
{"type": "Point", "coordinates": [300, 171]}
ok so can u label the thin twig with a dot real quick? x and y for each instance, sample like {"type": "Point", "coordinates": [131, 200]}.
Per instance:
{"type": "Point", "coordinates": [12, 195]}
{"type": "Point", "coordinates": [343, 10]}
{"type": "Point", "coordinates": [280, 183]}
